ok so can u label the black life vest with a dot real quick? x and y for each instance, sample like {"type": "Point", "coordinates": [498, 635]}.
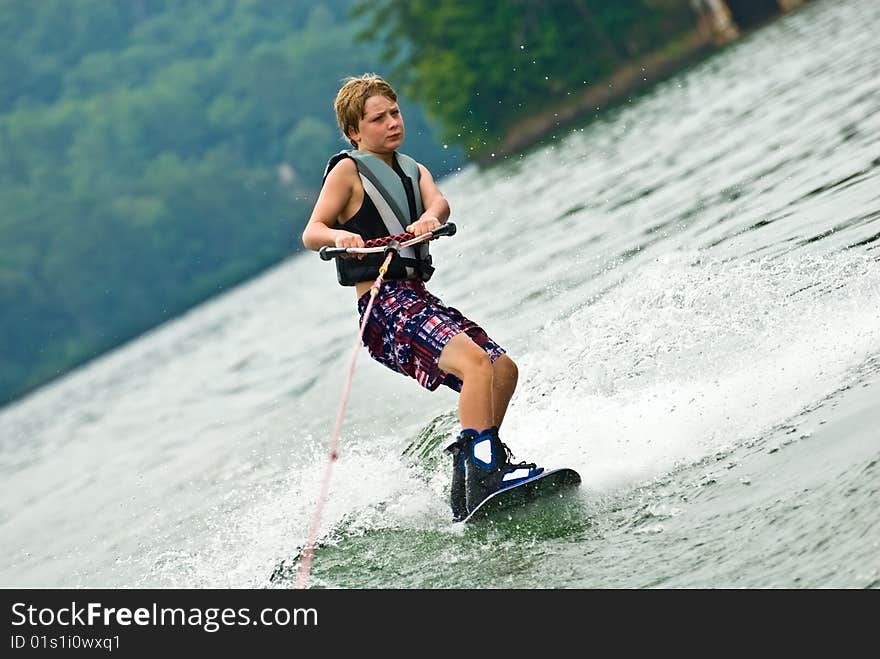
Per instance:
{"type": "Point", "coordinates": [392, 201]}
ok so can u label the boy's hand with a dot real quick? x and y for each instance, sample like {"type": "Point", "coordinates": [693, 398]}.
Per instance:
{"type": "Point", "coordinates": [349, 239]}
{"type": "Point", "coordinates": [425, 224]}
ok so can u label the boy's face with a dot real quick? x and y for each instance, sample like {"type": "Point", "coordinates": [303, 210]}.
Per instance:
{"type": "Point", "coordinates": [380, 130]}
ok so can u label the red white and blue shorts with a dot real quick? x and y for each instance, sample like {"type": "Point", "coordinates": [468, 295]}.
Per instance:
{"type": "Point", "coordinates": [409, 327]}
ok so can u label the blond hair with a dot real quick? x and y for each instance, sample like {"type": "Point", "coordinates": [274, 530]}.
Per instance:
{"type": "Point", "coordinates": [352, 97]}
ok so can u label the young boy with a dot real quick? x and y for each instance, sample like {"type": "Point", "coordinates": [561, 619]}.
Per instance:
{"type": "Point", "coordinates": [373, 191]}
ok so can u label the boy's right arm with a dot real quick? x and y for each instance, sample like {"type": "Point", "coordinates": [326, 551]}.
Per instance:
{"type": "Point", "coordinates": [335, 197]}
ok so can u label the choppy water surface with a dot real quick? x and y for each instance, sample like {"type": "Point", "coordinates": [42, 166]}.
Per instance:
{"type": "Point", "coordinates": [690, 285]}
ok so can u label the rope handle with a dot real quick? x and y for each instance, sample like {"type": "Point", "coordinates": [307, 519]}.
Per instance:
{"type": "Point", "coordinates": [377, 245]}
{"type": "Point", "coordinates": [385, 240]}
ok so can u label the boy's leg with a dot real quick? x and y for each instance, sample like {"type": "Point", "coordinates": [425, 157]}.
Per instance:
{"type": "Point", "coordinates": [480, 461]}
{"type": "Point", "coordinates": [487, 388]}
{"type": "Point", "coordinates": [505, 375]}
{"type": "Point", "coordinates": [470, 364]}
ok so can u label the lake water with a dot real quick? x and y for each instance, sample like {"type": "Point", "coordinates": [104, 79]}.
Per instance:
{"type": "Point", "coordinates": [690, 285]}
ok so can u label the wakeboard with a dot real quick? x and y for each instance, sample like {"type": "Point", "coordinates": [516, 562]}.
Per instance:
{"type": "Point", "coordinates": [544, 484]}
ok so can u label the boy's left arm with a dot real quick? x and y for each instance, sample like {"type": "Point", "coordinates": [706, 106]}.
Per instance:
{"type": "Point", "coordinates": [436, 207]}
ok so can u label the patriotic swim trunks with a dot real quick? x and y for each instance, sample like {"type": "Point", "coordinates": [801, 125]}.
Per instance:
{"type": "Point", "coordinates": [409, 327]}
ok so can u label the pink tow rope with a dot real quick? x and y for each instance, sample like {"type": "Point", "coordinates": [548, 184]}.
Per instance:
{"type": "Point", "coordinates": [391, 245]}
{"type": "Point", "coordinates": [305, 566]}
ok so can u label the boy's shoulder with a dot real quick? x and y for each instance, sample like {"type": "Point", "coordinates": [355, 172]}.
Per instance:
{"type": "Point", "coordinates": [340, 165]}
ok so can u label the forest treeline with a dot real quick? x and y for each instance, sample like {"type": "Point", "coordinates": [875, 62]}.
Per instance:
{"type": "Point", "coordinates": [478, 67]}
{"type": "Point", "coordinates": [156, 152]}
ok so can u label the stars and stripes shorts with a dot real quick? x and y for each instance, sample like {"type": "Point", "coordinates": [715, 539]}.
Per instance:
{"type": "Point", "coordinates": [409, 327]}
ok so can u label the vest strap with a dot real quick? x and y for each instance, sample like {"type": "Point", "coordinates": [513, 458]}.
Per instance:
{"type": "Point", "coordinates": [389, 217]}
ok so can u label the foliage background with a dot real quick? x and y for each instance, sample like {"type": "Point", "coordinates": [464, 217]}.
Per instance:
{"type": "Point", "coordinates": [156, 152]}
{"type": "Point", "coordinates": [479, 66]}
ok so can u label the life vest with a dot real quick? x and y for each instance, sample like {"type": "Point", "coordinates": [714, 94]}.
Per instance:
{"type": "Point", "coordinates": [395, 194]}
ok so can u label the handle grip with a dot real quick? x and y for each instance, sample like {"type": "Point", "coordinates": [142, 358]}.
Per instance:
{"type": "Point", "coordinates": [447, 229]}
{"type": "Point", "coordinates": [328, 253]}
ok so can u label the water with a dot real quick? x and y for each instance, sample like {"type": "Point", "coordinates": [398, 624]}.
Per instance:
{"type": "Point", "coordinates": [690, 286]}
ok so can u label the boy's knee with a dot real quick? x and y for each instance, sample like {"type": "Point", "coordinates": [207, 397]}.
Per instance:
{"type": "Point", "coordinates": [477, 362]}
{"type": "Point", "coordinates": [481, 360]}
{"type": "Point", "coordinates": [505, 367]}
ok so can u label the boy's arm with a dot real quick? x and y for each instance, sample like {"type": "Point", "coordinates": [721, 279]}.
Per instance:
{"type": "Point", "coordinates": [436, 207]}
{"type": "Point", "coordinates": [332, 201]}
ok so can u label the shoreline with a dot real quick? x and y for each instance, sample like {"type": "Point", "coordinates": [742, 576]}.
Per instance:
{"type": "Point", "coordinates": [636, 75]}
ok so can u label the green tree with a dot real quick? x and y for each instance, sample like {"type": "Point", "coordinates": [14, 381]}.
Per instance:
{"type": "Point", "coordinates": [154, 153]}
{"type": "Point", "coordinates": [479, 66]}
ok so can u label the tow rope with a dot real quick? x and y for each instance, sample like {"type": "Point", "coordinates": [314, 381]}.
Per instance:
{"type": "Point", "coordinates": [390, 245]}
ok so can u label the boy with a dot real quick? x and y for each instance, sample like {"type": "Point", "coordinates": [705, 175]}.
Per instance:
{"type": "Point", "coordinates": [373, 191]}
